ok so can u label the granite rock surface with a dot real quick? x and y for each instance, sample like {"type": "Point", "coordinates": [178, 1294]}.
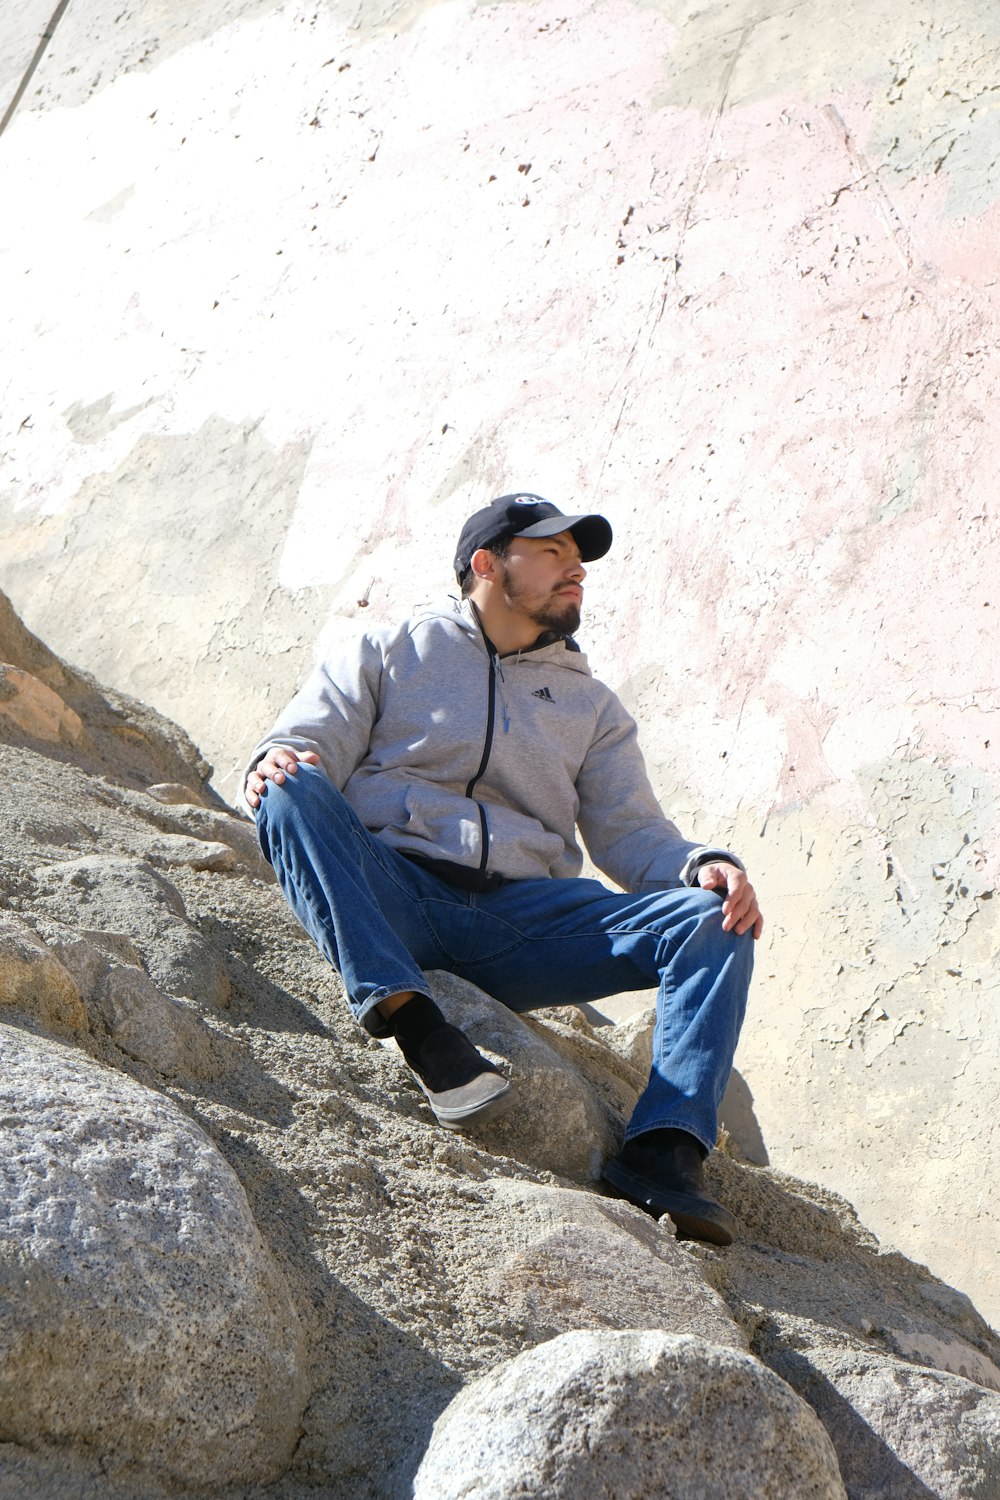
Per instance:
{"type": "Point", "coordinates": [630, 1414]}
{"type": "Point", "coordinates": [238, 1253]}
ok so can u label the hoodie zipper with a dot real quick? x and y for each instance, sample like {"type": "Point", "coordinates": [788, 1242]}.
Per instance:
{"type": "Point", "coordinates": [487, 747]}
{"type": "Point", "coordinates": [491, 714]}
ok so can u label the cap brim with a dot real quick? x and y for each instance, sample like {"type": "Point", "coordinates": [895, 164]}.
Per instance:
{"type": "Point", "coordinates": [592, 534]}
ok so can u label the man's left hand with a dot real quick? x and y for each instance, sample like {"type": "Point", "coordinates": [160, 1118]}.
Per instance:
{"type": "Point", "coordinates": [740, 911]}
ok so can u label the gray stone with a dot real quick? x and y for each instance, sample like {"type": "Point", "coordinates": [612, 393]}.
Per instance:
{"type": "Point", "coordinates": [558, 1122]}
{"type": "Point", "coordinates": [176, 813]}
{"type": "Point", "coordinates": [902, 1432]}
{"type": "Point", "coordinates": [87, 951]}
{"type": "Point", "coordinates": [128, 896]}
{"type": "Point", "coordinates": [573, 1260]}
{"type": "Point", "coordinates": [955, 1355]}
{"type": "Point", "coordinates": [632, 1037]}
{"type": "Point", "coordinates": [616, 1081]}
{"type": "Point", "coordinates": [173, 793]}
{"type": "Point", "coordinates": [197, 854]}
{"type": "Point", "coordinates": [122, 1002]}
{"type": "Point", "coordinates": [632, 1415]}
{"type": "Point", "coordinates": [166, 1034]}
{"type": "Point", "coordinates": [141, 1315]}
{"type": "Point", "coordinates": [33, 980]}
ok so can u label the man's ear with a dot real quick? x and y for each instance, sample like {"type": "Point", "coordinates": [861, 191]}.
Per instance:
{"type": "Point", "coordinates": [483, 564]}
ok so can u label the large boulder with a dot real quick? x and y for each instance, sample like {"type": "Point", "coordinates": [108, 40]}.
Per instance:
{"type": "Point", "coordinates": [630, 1414]}
{"type": "Point", "coordinates": [142, 1317]}
{"type": "Point", "coordinates": [560, 1122]}
{"type": "Point", "coordinates": [571, 1259]}
{"type": "Point", "coordinates": [901, 1432]}
{"type": "Point", "coordinates": [903, 1371]}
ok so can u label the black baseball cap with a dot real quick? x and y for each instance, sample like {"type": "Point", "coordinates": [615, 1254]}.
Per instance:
{"type": "Point", "coordinates": [528, 515]}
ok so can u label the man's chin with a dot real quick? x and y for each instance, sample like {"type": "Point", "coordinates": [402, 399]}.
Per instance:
{"type": "Point", "coordinates": [563, 617]}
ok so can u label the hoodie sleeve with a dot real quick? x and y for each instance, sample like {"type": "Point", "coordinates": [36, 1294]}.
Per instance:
{"type": "Point", "coordinates": [333, 712]}
{"type": "Point", "coordinates": [626, 832]}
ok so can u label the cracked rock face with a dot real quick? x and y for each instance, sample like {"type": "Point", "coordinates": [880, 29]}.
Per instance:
{"type": "Point", "coordinates": [129, 897]}
{"type": "Point", "coordinates": [897, 1426]}
{"type": "Point", "coordinates": [33, 979]}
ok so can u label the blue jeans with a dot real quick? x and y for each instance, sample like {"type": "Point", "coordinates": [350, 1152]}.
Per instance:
{"type": "Point", "coordinates": [381, 920]}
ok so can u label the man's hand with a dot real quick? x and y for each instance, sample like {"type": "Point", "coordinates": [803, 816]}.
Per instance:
{"type": "Point", "coordinates": [740, 911]}
{"type": "Point", "coordinates": [278, 763]}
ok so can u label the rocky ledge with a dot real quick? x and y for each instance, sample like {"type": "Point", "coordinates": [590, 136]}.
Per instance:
{"type": "Point", "coordinates": [237, 1257]}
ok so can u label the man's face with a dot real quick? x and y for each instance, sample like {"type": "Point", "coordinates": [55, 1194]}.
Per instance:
{"type": "Point", "coordinates": [542, 580]}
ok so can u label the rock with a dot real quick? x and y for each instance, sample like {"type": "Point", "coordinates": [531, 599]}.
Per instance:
{"type": "Point", "coordinates": [632, 1038]}
{"type": "Point", "coordinates": [630, 1414]}
{"type": "Point", "coordinates": [617, 1082]}
{"type": "Point", "coordinates": [152, 1028]}
{"type": "Point", "coordinates": [35, 709]}
{"type": "Point", "coordinates": [198, 854]}
{"type": "Point", "coordinates": [87, 951]}
{"type": "Point", "coordinates": [954, 1355]}
{"type": "Point", "coordinates": [784, 1214]}
{"type": "Point", "coordinates": [125, 738]}
{"type": "Point", "coordinates": [128, 896]}
{"type": "Point", "coordinates": [558, 1123]}
{"type": "Point", "coordinates": [573, 1260]}
{"type": "Point", "coordinates": [34, 981]}
{"type": "Point", "coordinates": [849, 1328]}
{"type": "Point", "coordinates": [141, 1314]}
{"type": "Point", "coordinates": [122, 1002]}
{"type": "Point", "coordinates": [173, 793]}
{"type": "Point", "coordinates": [185, 821]}
{"type": "Point", "coordinates": [901, 1432]}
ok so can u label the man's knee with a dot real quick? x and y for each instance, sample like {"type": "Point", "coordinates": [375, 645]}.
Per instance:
{"type": "Point", "coordinates": [302, 804]}
{"type": "Point", "coordinates": [704, 919]}
{"type": "Point", "coordinates": [296, 796]}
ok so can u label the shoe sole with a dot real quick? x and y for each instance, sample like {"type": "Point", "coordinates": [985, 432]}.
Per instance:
{"type": "Point", "coordinates": [694, 1218]}
{"type": "Point", "coordinates": [455, 1113]}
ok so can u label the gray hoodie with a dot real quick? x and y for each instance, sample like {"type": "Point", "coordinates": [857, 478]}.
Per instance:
{"type": "Point", "coordinates": [449, 752]}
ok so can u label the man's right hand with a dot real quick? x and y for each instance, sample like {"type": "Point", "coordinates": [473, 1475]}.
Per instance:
{"type": "Point", "coordinates": [278, 763]}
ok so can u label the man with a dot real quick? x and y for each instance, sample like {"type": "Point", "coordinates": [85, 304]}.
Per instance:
{"type": "Point", "coordinates": [419, 800]}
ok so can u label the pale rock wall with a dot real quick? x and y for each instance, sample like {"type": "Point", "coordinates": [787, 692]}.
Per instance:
{"type": "Point", "coordinates": [287, 290]}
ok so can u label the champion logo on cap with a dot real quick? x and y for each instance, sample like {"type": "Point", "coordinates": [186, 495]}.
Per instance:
{"type": "Point", "coordinates": [527, 500]}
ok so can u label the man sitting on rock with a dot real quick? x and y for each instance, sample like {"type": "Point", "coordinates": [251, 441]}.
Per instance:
{"type": "Point", "coordinates": [419, 800]}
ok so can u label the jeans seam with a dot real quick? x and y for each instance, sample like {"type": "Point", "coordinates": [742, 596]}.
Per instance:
{"type": "Point", "coordinates": [591, 932]}
{"type": "Point", "coordinates": [369, 845]}
{"type": "Point", "coordinates": [330, 931]}
{"type": "Point", "coordinates": [420, 902]}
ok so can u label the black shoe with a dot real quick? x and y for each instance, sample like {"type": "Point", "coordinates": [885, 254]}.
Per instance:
{"type": "Point", "coordinates": [663, 1173]}
{"type": "Point", "coordinates": [462, 1087]}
